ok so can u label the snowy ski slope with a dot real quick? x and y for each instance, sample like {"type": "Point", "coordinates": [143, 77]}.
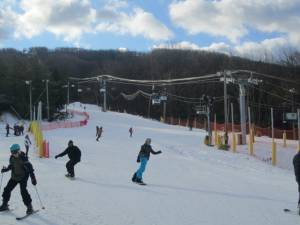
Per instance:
{"type": "Point", "coordinates": [189, 184]}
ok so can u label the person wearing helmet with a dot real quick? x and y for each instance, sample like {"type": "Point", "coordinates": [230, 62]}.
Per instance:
{"type": "Point", "coordinates": [143, 158]}
{"type": "Point", "coordinates": [21, 169]}
{"type": "Point", "coordinates": [74, 154]}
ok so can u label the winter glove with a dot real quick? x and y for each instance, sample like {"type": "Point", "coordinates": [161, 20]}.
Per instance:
{"type": "Point", "coordinates": [56, 157]}
{"type": "Point", "coordinates": [159, 152]}
{"type": "Point", "coordinates": [4, 169]}
{"type": "Point", "coordinates": [33, 180]}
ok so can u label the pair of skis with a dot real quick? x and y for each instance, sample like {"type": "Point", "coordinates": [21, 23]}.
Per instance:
{"type": "Point", "coordinates": [22, 217]}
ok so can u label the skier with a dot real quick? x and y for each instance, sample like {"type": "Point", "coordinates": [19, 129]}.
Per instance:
{"type": "Point", "coordinates": [296, 162]}
{"type": "Point", "coordinates": [74, 155]}
{"type": "Point", "coordinates": [27, 143]}
{"type": "Point", "coordinates": [130, 131]}
{"type": "Point", "coordinates": [7, 129]}
{"type": "Point", "coordinates": [21, 169]}
{"type": "Point", "coordinates": [143, 158]}
{"type": "Point", "coordinates": [98, 132]}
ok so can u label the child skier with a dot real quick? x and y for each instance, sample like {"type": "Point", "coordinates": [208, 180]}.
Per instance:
{"type": "Point", "coordinates": [143, 158]}
{"type": "Point", "coordinates": [74, 154]}
{"type": "Point", "coordinates": [21, 169]}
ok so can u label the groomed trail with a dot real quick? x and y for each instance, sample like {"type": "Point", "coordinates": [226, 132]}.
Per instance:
{"type": "Point", "coordinates": [188, 184]}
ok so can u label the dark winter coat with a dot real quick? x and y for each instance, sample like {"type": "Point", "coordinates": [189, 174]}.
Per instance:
{"type": "Point", "coordinates": [145, 152]}
{"type": "Point", "coordinates": [296, 162]}
{"type": "Point", "coordinates": [73, 152]}
{"type": "Point", "coordinates": [20, 167]}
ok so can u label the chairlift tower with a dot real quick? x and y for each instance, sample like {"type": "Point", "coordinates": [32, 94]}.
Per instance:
{"type": "Point", "coordinates": [204, 109]}
{"type": "Point", "coordinates": [243, 78]}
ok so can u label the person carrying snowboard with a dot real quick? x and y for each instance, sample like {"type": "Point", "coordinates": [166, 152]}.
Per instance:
{"type": "Point", "coordinates": [296, 162]}
{"type": "Point", "coordinates": [27, 143]}
{"type": "Point", "coordinates": [74, 155]}
{"type": "Point", "coordinates": [21, 169]}
{"type": "Point", "coordinates": [143, 158]}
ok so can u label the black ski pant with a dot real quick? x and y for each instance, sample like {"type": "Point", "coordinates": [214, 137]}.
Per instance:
{"type": "Point", "coordinates": [23, 188]}
{"type": "Point", "coordinates": [27, 148]}
{"type": "Point", "coordinates": [70, 167]}
{"type": "Point", "coordinates": [298, 182]}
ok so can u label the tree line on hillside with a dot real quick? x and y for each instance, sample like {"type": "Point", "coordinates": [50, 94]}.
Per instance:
{"type": "Point", "coordinates": [39, 64]}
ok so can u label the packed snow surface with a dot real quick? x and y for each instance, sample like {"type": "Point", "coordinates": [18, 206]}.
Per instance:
{"type": "Point", "coordinates": [188, 184]}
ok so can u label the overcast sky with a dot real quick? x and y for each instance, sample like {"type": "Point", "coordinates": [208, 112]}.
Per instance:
{"type": "Point", "coordinates": [252, 28]}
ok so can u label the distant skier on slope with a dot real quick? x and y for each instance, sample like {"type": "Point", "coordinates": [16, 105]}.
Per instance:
{"type": "Point", "coordinates": [296, 162]}
{"type": "Point", "coordinates": [27, 144]}
{"type": "Point", "coordinates": [98, 132]}
{"type": "Point", "coordinates": [74, 155]}
{"type": "Point", "coordinates": [21, 169]}
{"type": "Point", "coordinates": [143, 158]}
{"type": "Point", "coordinates": [7, 127]}
{"type": "Point", "coordinates": [130, 131]}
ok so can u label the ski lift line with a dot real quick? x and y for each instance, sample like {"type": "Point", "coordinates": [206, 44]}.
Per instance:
{"type": "Point", "coordinates": [164, 85]}
{"type": "Point", "coordinates": [267, 106]}
{"type": "Point", "coordinates": [274, 85]}
{"type": "Point", "coordinates": [39, 96]}
{"type": "Point", "coordinates": [278, 96]}
{"type": "Point", "coordinates": [188, 98]}
{"type": "Point", "coordinates": [110, 77]}
{"type": "Point", "coordinates": [127, 83]}
{"type": "Point", "coordinates": [264, 75]}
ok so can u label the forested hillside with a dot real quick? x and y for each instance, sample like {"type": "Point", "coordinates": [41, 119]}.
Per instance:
{"type": "Point", "coordinates": [38, 64]}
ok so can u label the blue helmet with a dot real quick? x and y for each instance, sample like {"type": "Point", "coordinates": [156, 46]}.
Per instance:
{"type": "Point", "coordinates": [15, 148]}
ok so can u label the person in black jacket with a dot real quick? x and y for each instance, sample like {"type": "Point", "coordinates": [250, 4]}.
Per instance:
{"type": "Point", "coordinates": [296, 162]}
{"type": "Point", "coordinates": [74, 154]}
{"type": "Point", "coordinates": [21, 169]}
{"type": "Point", "coordinates": [143, 158]}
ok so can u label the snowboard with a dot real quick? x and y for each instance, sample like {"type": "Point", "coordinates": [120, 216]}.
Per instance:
{"type": "Point", "coordinates": [70, 178]}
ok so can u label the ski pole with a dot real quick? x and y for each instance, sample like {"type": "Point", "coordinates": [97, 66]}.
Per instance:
{"type": "Point", "coordinates": [43, 207]}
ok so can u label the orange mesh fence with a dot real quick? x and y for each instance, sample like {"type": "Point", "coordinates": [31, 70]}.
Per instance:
{"type": "Point", "coordinates": [259, 131]}
{"type": "Point", "coordinates": [67, 124]}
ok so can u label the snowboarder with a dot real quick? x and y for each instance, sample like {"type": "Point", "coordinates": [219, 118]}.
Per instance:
{"type": "Point", "coordinates": [74, 155]}
{"type": "Point", "coordinates": [296, 162]}
{"type": "Point", "coordinates": [143, 158]}
{"type": "Point", "coordinates": [27, 143]}
{"type": "Point", "coordinates": [98, 132]}
{"type": "Point", "coordinates": [7, 129]}
{"type": "Point", "coordinates": [130, 131]}
{"type": "Point", "coordinates": [21, 169]}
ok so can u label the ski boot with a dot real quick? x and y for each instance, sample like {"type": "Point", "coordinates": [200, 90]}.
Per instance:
{"type": "Point", "coordinates": [29, 209]}
{"type": "Point", "coordinates": [140, 181]}
{"type": "Point", "coordinates": [4, 207]}
{"type": "Point", "coordinates": [134, 178]}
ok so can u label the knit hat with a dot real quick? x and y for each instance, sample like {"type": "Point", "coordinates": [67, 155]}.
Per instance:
{"type": "Point", "coordinates": [14, 148]}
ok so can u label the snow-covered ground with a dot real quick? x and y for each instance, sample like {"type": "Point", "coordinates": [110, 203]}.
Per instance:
{"type": "Point", "coordinates": [189, 184]}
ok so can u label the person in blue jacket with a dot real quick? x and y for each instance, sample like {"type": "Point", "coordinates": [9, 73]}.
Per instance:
{"type": "Point", "coordinates": [143, 158]}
